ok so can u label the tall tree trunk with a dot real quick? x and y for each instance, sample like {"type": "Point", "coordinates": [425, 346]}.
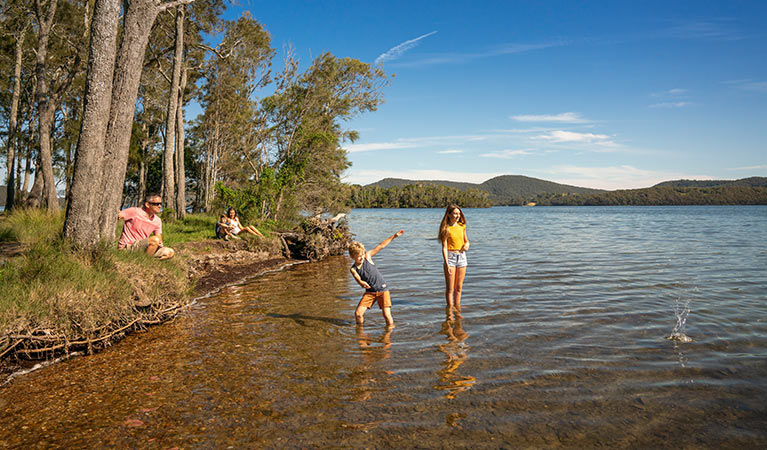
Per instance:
{"type": "Point", "coordinates": [169, 178]}
{"type": "Point", "coordinates": [180, 174]}
{"type": "Point", "coordinates": [46, 108]}
{"type": "Point", "coordinates": [27, 175]}
{"type": "Point", "coordinates": [35, 194]}
{"type": "Point", "coordinates": [139, 18]}
{"type": "Point", "coordinates": [83, 210]}
{"type": "Point", "coordinates": [12, 123]}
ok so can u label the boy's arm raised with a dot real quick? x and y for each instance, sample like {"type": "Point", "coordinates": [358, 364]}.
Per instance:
{"type": "Point", "coordinates": [384, 243]}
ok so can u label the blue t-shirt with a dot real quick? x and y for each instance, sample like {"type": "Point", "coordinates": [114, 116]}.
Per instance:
{"type": "Point", "coordinates": [369, 274]}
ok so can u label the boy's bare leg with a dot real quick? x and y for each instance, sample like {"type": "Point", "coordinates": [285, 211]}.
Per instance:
{"type": "Point", "coordinates": [359, 314]}
{"type": "Point", "coordinates": [388, 318]}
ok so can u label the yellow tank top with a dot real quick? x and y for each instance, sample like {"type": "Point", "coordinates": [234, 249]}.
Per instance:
{"type": "Point", "coordinates": [455, 239]}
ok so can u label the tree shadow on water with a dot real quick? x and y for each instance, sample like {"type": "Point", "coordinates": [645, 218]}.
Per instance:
{"type": "Point", "coordinates": [301, 318]}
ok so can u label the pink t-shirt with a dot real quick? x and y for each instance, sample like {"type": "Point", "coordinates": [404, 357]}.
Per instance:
{"type": "Point", "coordinates": [138, 226]}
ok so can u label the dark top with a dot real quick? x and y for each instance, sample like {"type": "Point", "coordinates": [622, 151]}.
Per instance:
{"type": "Point", "coordinates": [369, 274]}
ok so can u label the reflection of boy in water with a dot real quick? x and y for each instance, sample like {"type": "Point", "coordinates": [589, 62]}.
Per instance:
{"type": "Point", "coordinates": [366, 274]}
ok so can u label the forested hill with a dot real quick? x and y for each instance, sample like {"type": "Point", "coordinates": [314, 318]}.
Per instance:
{"type": "Point", "coordinates": [752, 182]}
{"type": "Point", "coordinates": [503, 190]}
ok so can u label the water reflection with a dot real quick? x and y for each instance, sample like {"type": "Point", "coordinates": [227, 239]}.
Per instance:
{"type": "Point", "coordinates": [365, 376]}
{"type": "Point", "coordinates": [455, 351]}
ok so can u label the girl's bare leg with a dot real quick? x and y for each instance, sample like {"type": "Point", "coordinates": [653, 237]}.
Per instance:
{"type": "Point", "coordinates": [252, 230]}
{"type": "Point", "coordinates": [449, 284]}
{"type": "Point", "coordinates": [460, 274]}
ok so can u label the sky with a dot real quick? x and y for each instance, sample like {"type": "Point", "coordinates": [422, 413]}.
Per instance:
{"type": "Point", "coordinates": [601, 94]}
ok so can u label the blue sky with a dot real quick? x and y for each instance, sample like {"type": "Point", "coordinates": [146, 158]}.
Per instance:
{"type": "Point", "coordinates": [605, 94]}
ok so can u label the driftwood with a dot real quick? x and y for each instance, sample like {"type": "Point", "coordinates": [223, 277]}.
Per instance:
{"type": "Point", "coordinates": [318, 238]}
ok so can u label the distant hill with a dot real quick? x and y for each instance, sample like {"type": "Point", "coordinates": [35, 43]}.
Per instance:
{"type": "Point", "coordinates": [503, 190]}
{"type": "Point", "coordinates": [752, 182]}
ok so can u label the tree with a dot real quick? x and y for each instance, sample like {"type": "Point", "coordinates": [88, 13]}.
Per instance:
{"type": "Point", "coordinates": [19, 35]}
{"type": "Point", "coordinates": [304, 119]}
{"type": "Point", "coordinates": [111, 91]}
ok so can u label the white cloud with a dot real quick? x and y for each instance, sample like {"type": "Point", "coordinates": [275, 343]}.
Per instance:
{"type": "Point", "coordinates": [669, 105]}
{"type": "Point", "coordinates": [449, 152]}
{"type": "Point", "coordinates": [396, 51]}
{"type": "Point", "coordinates": [457, 58]}
{"type": "Point", "coordinates": [560, 136]}
{"type": "Point", "coordinates": [615, 177]}
{"type": "Point", "coordinates": [749, 85]}
{"type": "Point", "coordinates": [706, 30]}
{"type": "Point", "coordinates": [375, 146]}
{"type": "Point", "coordinates": [505, 154]}
{"type": "Point", "coordinates": [759, 167]}
{"type": "Point", "coordinates": [568, 117]}
{"type": "Point", "coordinates": [371, 176]}
{"type": "Point", "coordinates": [675, 92]}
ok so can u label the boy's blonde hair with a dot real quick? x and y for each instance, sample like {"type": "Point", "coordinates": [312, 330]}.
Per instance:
{"type": "Point", "coordinates": [356, 249]}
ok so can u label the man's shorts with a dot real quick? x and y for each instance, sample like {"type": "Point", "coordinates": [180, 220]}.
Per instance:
{"type": "Point", "coordinates": [456, 259]}
{"type": "Point", "coordinates": [140, 246]}
{"type": "Point", "coordinates": [383, 298]}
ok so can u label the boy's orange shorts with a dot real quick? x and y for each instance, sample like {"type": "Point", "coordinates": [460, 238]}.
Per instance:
{"type": "Point", "coordinates": [383, 298]}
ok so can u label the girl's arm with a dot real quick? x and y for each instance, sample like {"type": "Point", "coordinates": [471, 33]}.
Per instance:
{"type": "Point", "coordinates": [444, 250]}
{"type": "Point", "coordinates": [465, 241]}
{"type": "Point", "coordinates": [384, 243]}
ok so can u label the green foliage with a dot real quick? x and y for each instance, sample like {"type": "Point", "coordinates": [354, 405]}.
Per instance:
{"type": "Point", "coordinates": [733, 194]}
{"type": "Point", "coordinates": [416, 196]}
{"type": "Point", "coordinates": [503, 190]}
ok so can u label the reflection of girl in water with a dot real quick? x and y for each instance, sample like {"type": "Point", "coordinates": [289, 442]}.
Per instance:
{"type": "Point", "coordinates": [455, 243]}
{"type": "Point", "coordinates": [456, 351]}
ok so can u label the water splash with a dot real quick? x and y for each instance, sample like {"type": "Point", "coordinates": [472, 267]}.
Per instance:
{"type": "Point", "coordinates": [682, 311]}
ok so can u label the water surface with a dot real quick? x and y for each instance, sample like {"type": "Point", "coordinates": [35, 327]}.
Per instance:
{"type": "Point", "coordinates": [563, 343]}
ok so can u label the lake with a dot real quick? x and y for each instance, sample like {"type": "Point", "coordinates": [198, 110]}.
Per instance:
{"type": "Point", "coordinates": [582, 327]}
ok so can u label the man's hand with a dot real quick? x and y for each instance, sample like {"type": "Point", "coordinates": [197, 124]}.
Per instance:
{"type": "Point", "coordinates": [364, 285]}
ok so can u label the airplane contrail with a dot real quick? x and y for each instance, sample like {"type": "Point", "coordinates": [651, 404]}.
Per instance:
{"type": "Point", "coordinates": [396, 51]}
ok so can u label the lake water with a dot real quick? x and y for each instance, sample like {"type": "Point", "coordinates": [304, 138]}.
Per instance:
{"type": "Point", "coordinates": [564, 342]}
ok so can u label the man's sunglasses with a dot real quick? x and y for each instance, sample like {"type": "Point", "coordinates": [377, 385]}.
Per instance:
{"type": "Point", "coordinates": [155, 203]}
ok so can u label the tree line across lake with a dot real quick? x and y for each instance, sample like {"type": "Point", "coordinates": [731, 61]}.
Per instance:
{"type": "Point", "coordinates": [518, 191]}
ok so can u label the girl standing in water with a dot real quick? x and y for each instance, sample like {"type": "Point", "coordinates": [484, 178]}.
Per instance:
{"type": "Point", "coordinates": [455, 243]}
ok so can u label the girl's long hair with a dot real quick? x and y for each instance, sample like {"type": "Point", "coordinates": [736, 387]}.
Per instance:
{"type": "Point", "coordinates": [446, 219]}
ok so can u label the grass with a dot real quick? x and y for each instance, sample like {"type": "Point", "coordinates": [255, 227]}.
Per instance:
{"type": "Point", "coordinates": [52, 288]}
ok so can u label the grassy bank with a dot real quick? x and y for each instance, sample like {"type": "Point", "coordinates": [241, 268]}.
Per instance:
{"type": "Point", "coordinates": [54, 298]}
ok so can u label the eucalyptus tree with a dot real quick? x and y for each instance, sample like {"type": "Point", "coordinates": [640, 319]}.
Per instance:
{"type": "Point", "coordinates": [305, 118]}
{"type": "Point", "coordinates": [109, 106]}
{"type": "Point", "coordinates": [16, 23]}
{"type": "Point", "coordinates": [58, 56]}
{"type": "Point", "coordinates": [238, 67]}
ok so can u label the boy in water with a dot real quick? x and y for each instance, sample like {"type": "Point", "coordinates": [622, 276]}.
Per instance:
{"type": "Point", "coordinates": [366, 274]}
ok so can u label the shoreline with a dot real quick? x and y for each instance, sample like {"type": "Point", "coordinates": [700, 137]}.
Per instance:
{"type": "Point", "coordinates": [212, 265]}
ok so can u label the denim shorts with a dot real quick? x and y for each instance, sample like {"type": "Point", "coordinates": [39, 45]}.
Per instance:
{"type": "Point", "coordinates": [456, 259]}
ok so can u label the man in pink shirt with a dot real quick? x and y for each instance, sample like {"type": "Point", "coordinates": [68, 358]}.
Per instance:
{"type": "Point", "coordinates": [142, 231]}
